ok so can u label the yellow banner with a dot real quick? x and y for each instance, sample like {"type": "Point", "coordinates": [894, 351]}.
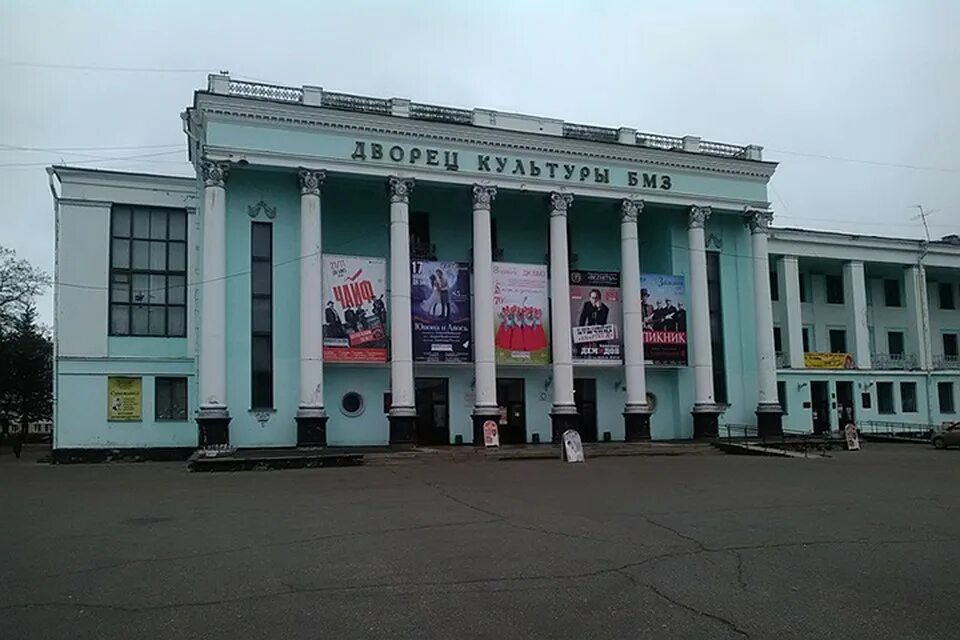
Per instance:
{"type": "Point", "coordinates": [828, 360]}
{"type": "Point", "coordinates": [124, 399]}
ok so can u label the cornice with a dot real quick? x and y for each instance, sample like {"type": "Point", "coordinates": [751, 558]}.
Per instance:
{"type": "Point", "coordinates": [294, 116]}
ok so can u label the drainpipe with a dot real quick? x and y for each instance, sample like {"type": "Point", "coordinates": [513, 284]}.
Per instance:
{"type": "Point", "coordinates": [51, 173]}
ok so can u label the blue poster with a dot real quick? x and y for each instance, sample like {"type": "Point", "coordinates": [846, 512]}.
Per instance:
{"type": "Point", "coordinates": [440, 300]}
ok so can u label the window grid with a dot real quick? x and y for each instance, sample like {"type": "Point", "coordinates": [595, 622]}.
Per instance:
{"type": "Point", "coordinates": [170, 398]}
{"type": "Point", "coordinates": [148, 271]}
{"type": "Point", "coordinates": [261, 315]}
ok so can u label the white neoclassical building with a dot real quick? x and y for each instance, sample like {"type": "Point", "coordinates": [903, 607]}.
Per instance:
{"type": "Point", "coordinates": [348, 270]}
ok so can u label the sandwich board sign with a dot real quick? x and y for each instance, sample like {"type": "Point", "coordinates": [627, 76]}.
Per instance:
{"type": "Point", "coordinates": [572, 450]}
{"type": "Point", "coordinates": [491, 434]}
{"type": "Point", "coordinates": [853, 438]}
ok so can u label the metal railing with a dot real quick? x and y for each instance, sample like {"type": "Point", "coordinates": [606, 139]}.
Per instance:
{"type": "Point", "coordinates": [588, 132]}
{"type": "Point", "coordinates": [891, 429]}
{"type": "Point", "coordinates": [893, 361]}
{"type": "Point", "coordinates": [350, 102]}
{"type": "Point", "coordinates": [435, 113]}
{"type": "Point", "coordinates": [781, 360]}
{"type": "Point", "coordinates": [265, 91]}
{"type": "Point", "coordinates": [790, 439]}
{"type": "Point", "coordinates": [946, 362]}
{"type": "Point", "coordinates": [722, 149]}
{"type": "Point", "coordinates": [669, 143]}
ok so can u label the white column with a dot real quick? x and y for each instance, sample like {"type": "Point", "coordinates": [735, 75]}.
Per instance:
{"type": "Point", "coordinates": [854, 285]}
{"type": "Point", "coordinates": [918, 310]}
{"type": "Point", "coordinates": [561, 338]}
{"type": "Point", "coordinates": [789, 274]}
{"type": "Point", "coordinates": [401, 337]}
{"type": "Point", "coordinates": [484, 348]}
{"type": "Point", "coordinates": [700, 311]}
{"type": "Point", "coordinates": [213, 294]}
{"type": "Point", "coordinates": [633, 357]}
{"type": "Point", "coordinates": [311, 296]}
{"type": "Point", "coordinates": [759, 224]}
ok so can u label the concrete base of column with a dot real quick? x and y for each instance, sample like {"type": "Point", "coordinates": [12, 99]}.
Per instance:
{"type": "Point", "coordinates": [213, 427]}
{"type": "Point", "coordinates": [311, 427]}
{"type": "Point", "coordinates": [706, 421]}
{"type": "Point", "coordinates": [480, 416]}
{"type": "Point", "coordinates": [561, 419]}
{"type": "Point", "coordinates": [636, 425]}
{"type": "Point", "coordinates": [403, 427]}
{"type": "Point", "coordinates": [769, 420]}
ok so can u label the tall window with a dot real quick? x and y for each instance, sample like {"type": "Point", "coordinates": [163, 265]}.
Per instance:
{"type": "Point", "coordinates": [885, 397]}
{"type": "Point", "coordinates": [908, 397]}
{"type": "Point", "coordinates": [261, 288]}
{"type": "Point", "coordinates": [777, 340]}
{"type": "Point", "coordinates": [895, 343]}
{"type": "Point", "coordinates": [834, 289]}
{"type": "Point", "coordinates": [947, 300]}
{"type": "Point", "coordinates": [782, 395]}
{"type": "Point", "coordinates": [774, 285]}
{"type": "Point", "coordinates": [950, 347]}
{"type": "Point", "coordinates": [148, 271]}
{"type": "Point", "coordinates": [838, 341]}
{"type": "Point", "coordinates": [891, 292]}
{"type": "Point", "coordinates": [945, 395]}
{"type": "Point", "coordinates": [804, 296]}
{"type": "Point", "coordinates": [716, 327]}
{"type": "Point", "coordinates": [805, 336]}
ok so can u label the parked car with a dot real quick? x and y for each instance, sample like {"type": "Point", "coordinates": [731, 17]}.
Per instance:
{"type": "Point", "coordinates": [949, 436]}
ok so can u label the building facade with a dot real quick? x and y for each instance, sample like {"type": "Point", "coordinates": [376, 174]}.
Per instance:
{"type": "Point", "coordinates": [347, 270]}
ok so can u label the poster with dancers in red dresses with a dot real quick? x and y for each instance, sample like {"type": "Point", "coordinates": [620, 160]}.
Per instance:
{"type": "Point", "coordinates": [521, 322]}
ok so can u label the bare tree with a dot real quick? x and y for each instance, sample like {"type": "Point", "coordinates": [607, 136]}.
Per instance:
{"type": "Point", "coordinates": [20, 283]}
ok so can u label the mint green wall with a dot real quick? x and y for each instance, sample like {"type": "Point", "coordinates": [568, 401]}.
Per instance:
{"type": "Point", "coordinates": [82, 407]}
{"type": "Point", "coordinates": [146, 347]}
{"type": "Point", "coordinates": [595, 234]}
{"type": "Point", "coordinates": [279, 190]}
{"type": "Point", "coordinates": [522, 231]}
{"type": "Point", "coordinates": [370, 427]}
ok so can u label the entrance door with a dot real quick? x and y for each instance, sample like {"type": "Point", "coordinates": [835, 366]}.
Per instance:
{"type": "Point", "coordinates": [433, 411]}
{"type": "Point", "coordinates": [845, 408]}
{"type": "Point", "coordinates": [585, 395]}
{"type": "Point", "coordinates": [820, 402]}
{"type": "Point", "coordinates": [513, 411]}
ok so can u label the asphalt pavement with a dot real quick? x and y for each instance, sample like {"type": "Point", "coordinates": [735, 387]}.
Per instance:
{"type": "Point", "coordinates": [860, 545]}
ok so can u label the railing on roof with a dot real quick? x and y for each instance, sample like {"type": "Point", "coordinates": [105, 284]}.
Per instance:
{"type": "Point", "coordinates": [670, 143]}
{"type": "Point", "coordinates": [265, 91]}
{"type": "Point", "coordinates": [722, 149]}
{"type": "Point", "coordinates": [436, 113]}
{"type": "Point", "coordinates": [587, 132]}
{"type": "Point", "coordinates": [350, 102]}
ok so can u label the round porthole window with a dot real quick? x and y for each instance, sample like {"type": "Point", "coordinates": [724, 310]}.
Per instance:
{"type": "Point", "coordinates": [652, 402]}
{"type": "Point", "coordinates": [351, 404]}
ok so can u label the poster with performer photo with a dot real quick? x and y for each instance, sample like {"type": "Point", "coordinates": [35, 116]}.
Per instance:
{"type": "Point", "coordinates": [664, 319]}
{"type": "Point", "coordinates": [440, 300]}
{"type": "Point", "coordinates": [355, 309]}
{"type": "Point", "coordinates": [596, 315]}
{"type": "Point", "coordinates": [521, 315]}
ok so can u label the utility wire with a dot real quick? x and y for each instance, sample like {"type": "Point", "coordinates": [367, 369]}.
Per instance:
{"type": "Point", "coordinates": [79, 67]}
{"type": "Point", "coordinates": [21, 165]}
{"type": "Point", "coordinates": [13, 147]}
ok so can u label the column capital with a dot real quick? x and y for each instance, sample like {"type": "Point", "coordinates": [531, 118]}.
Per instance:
{"type": "Point", "coordinates": [698, 216]}
{"type": "Point", "coordinates": [399, 189]}
{"type": "Point", "coordinates": [757, 220]}
{"type": "Point", "coordinates": [483, 196]}
{"type": "Point", "coordinates": [214, 173]}
{"type": "Point", "coordinates": [630, 210]}
{"type": "Point", "coordinates": [310, 181]}
{"type": "Point", "coordinates": [560, 202]}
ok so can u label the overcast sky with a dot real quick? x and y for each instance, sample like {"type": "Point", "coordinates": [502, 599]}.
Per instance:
{"type": "Point", "coordinates": [836, 91]}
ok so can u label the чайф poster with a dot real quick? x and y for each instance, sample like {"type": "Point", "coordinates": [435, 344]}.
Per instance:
{"type": "Point", "coordinates": [355, 309]}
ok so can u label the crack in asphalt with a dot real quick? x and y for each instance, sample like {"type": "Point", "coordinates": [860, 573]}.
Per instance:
{"type": "Point", "coordinates": [265, 545]}
{"type": "Point", "coordinates": [729, 624]}
{"type": "Point", "coordinates": [740, 581]}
